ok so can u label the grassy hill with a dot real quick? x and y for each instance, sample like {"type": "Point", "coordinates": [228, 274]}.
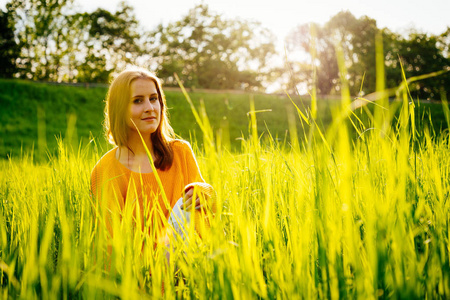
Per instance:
{"type": "Point", "coordinates": [28, 107]}
{"type": "Point", "coordinates": [35, 114]}
{"type": "Point", "coordinates": [22, 100]}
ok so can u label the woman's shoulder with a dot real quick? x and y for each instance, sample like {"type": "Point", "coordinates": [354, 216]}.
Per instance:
{"type": "Point", "coordinates": [180, 145]}
{"type": "Point", "coordinates": [106, 161]}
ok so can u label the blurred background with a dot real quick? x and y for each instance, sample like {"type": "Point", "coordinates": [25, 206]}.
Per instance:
{"type": "Point", "coordinates": [244, 45]}
{"type": "Point", "coordinates": [57, 57]}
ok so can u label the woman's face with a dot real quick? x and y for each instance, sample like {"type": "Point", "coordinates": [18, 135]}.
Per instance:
{"type": "Point", "coordinates": [144, 108]}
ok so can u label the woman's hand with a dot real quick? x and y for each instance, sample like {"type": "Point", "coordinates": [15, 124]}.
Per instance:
{"type": "Point", "coordinates": [200, 196]}
{"type": "Point", "coordinates": [188, 200]}
{"type": "Point", "coordinates": [204, 196]}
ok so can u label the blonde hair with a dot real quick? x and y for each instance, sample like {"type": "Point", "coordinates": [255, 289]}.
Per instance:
{"type": "Point", "coordinates": [117, 102]}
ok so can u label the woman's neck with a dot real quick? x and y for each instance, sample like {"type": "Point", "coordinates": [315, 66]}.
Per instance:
{"type": "Point", "coordinates": [136, 159]}
{"type": "Point", "coordinates": [136, 145]}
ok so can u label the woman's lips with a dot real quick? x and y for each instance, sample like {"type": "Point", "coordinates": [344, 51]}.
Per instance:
{"type": "Point", "coordinates": [148, 119]}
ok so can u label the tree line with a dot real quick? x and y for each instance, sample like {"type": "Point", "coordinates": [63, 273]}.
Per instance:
{"type": "Point", "coordinates": [48, 40]}
{"type": "Point", "coordinates": [415, 55]}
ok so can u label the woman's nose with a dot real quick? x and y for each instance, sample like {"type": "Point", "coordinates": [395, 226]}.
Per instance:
{"type": "Point", "coordinates": [148, 105]}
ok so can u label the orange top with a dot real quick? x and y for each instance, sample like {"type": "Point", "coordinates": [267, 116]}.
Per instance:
{"type": "Point", "coordinates": [119, 187]}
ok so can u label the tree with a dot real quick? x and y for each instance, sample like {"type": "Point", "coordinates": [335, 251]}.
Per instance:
{"type": "Point", "coordinates": [109, 41]}
{"type": "Point", "coordinates": [210, 52]}
{"type": "Point", "coordinates": [357, 40]}
{"type": "Point", "coordinates": [420, 55]}
{"type": "Point", "coordinates": [60, 45]}
{"type": "Point", "coordinates": [444, 43]}
{"type": "Point", "coordinates": [362, 49]}
{"type": "Point", "coordinates": [36, 23]}
{"type": "Point", "coordinates": [9, 50]}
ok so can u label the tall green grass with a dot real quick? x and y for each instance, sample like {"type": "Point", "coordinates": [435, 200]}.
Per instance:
{"type": "Point", "coordinates": [336, 217]}
{"type": "Point", "coordinates": [329, 215]}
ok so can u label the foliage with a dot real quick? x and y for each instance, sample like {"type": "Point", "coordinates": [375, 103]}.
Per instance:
{"type": "Point", "coordinates": [37, 24]}
{"type": "Point", "coordinates": [9, 50]}
{"type": "Point", "coordinates": [54, 42]}
{"type": "Point", "coordinates": [357, 39]}
{"type": "Point", "coordinates": [60, 45]}
{"type": "Point", "coordinates": [111, 42]}
{"type": "Point", "coordinates": [419, 53]}
{"type": "Point", "coordinates": [212, 52]}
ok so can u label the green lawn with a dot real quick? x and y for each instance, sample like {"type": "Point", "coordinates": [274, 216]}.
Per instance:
{"type": "Point", "coordinates": [61, 111]}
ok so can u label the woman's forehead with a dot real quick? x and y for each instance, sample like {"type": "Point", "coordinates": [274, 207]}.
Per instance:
{"type": "Point", "coordinates": [143, 86]}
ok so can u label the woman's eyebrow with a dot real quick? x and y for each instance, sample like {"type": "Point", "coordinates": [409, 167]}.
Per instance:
{"type": "Point", "coordinates": [140, 96]}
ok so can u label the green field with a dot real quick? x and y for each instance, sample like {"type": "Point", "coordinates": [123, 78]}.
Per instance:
{"type": "Point", "coordinates": [347, 212]}
{"type": "Point", "coordinates": [59, 109]}
{"type": "Point", "coordinates": [32, 112]}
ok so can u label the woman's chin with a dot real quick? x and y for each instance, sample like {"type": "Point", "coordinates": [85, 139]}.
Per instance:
{"type": "Point", "coordinates": [144, 131]}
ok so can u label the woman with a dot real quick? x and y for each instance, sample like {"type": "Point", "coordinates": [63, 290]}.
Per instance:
{"type": "Point", "coordinates": [124, 179]}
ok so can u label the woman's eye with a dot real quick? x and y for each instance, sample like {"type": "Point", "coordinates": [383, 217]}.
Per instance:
{"type": "Point", "coordinates": [137, 101]}
{"type": "Point", "coordinates": [153, 98]}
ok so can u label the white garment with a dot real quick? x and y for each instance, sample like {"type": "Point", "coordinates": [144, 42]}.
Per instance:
{"type": "Point", "coordinates": [179, 219]}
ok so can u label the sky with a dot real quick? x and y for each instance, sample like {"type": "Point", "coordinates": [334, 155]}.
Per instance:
{"type": "Point", "coordinates": [281, 16]}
